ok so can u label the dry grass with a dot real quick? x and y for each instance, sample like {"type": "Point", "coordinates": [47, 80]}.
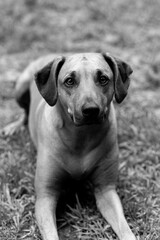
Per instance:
{"type": "Point", "coordinates": [128, 28]}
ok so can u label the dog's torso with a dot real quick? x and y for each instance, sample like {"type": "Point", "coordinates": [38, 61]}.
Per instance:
{"type": "Point", "coordinates": [75, 151]}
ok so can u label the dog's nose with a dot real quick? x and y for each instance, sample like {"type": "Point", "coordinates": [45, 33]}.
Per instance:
{"type": "Point", "coordinates": [90, 112]}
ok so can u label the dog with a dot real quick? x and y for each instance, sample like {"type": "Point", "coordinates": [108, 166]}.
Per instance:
{"type": "Point", "coordinates": [71, 118]}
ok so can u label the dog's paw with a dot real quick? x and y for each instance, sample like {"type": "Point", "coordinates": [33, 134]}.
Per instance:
{"type": "Point", "coordinates": [129, 237]}
{"type": "Point", "coordinates": [12, 128]}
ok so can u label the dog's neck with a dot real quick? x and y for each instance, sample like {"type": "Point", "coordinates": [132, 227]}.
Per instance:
{"type": "Point", "coordinates": [83, 137]}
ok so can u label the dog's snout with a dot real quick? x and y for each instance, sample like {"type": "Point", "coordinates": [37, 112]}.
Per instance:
{"type": "Point", "coordinates": [90, 111]}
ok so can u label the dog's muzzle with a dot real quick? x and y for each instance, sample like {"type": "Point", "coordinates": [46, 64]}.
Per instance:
{"type": "Point", "coordinates": [90, 112]}
{"type": "Point", "coordinates": [89, 115]}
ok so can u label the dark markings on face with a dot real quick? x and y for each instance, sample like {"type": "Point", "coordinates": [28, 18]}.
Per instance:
{"type": "Point", "coordinates": [84, 58]}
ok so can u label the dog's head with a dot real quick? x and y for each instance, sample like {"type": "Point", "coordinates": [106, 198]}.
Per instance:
{"type": "Point", "coordinates": [84, 85]}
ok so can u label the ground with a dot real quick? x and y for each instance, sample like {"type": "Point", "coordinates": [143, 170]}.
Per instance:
{"type": "Point", "coordinates": [128, 29]}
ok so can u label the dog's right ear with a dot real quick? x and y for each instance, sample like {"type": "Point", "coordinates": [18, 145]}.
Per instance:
{"type": "Point", "coordinates": [46, 80]}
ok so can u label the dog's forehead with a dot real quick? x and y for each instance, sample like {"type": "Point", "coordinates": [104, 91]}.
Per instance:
{"type": "Point", "coordinates": [85, 61]}
{"type": "Point", "coordinates": [86, 58]}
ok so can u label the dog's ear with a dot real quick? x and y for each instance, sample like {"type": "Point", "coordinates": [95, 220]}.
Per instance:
{"type": "Point", "coordinates": [121, 71]}
{"type": "Point", "coordinates": [46, 80]}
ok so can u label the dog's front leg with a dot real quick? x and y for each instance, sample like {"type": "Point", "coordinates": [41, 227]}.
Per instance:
{"type": "Point", "coordinates": [46, 219]}
{"type": "Point", "coordinates": [109, 204]}
{"type": "Point", "coordinates": [47, 193]}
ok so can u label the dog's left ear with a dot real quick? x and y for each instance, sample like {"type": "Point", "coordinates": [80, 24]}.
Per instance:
{"type": "Point", "coordinates": [46, 80]}
{"type": "Point", "coordinates": [121, 71]}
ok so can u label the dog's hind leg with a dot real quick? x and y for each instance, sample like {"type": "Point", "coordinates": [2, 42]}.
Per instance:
{"type": "Point", "coordinates": [13, 127]}
{"type": "Point", "coordinates": [22, 96]}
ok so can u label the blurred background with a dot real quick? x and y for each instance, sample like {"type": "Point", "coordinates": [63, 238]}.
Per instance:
{"type": "Point", "coordinates": [36, 27]}
{"type": "Point", "coordinates": [31, 28]}
{"type": "Point", "coordinates": [127, 29]}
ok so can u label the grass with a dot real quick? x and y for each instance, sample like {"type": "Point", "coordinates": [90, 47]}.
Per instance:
{"type": "Point", "coordinates": [138, 184]}
{"type": "Point", "coordinates": [127, 28]}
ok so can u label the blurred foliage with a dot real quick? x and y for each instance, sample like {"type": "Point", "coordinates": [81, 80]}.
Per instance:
{"type": "Point", "coordinates": [78, 25]}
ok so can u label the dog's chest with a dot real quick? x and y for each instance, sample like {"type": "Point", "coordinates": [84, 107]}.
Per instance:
{"type": "Point", "coordinates": [81, 164]}
{"type": "Point", "coordinates": [78, 167]}
{"type": "Point", "coordinates": [80, 151]}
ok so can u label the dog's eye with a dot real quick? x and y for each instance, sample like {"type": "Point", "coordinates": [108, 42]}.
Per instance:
{"type": "Point", "coordinates": [103, 80]}
{"type": "Point", "coordinates": [69, 82]}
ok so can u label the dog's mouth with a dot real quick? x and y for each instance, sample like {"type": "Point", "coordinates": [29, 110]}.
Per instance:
{"type": "Point", "coordinates": [81, 121]}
